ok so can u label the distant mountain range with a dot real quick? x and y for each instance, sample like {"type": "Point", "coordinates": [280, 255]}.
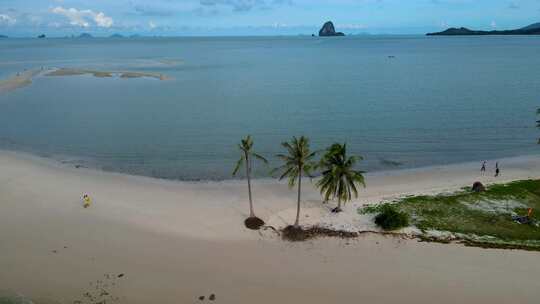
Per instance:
{"type": "Point", "coordinates": [533, 26]}
{"type": "Point", "coordinates": [85, 35]}
{"type": "Point", "coordinates": [533, 29]}
{"type": "Point", "coordinates": [117, 36]}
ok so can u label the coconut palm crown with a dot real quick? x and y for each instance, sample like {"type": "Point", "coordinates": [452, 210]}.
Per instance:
{"type": "Point", "coordinates": [339, 178]}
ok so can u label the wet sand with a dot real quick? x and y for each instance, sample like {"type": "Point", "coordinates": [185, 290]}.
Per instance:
{"type": "Point", "coordinates": [23, 79]}
{"type": "Point", "coordinates": [105, 74]}
{"type": "Point", "coordinates": [18, 80]}
{"type": "Point", "coordinates": [176, 241]}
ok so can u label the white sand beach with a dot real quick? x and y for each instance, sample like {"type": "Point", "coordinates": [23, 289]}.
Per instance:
{"type": "Point", "coordinates": [175, 241]}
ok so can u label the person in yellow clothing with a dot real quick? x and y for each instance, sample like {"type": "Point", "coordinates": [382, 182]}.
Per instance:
{"type": "Point", "coordinates": [86, 201]}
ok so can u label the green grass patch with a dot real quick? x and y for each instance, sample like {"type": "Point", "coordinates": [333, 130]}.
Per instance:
{"type": "Point", "coordinates": [486, 216]}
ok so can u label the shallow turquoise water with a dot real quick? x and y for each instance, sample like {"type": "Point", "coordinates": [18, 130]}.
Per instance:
{"type": "Point", "coordinates": [440, 100]}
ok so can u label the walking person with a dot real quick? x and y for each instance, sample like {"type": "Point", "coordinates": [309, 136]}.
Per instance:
{"type": "Point", "coordinates": [483, 169]}
{"type": "Point", "coordinates": [497, 170]}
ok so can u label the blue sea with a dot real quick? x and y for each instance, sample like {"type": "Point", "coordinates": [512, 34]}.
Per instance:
{"type": "Point", "coordinates": [399, 101]}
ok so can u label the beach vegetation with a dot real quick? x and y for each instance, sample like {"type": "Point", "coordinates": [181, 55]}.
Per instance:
{"type": "Point", "coordinates": [339, 178]}
{"type": "Point", "coordinates": [390, 218]}
{"type": "Point", "coordinates": [298, 234]}
{"type": "Point", "coordinates": [246, 160]}
{"type": "Point", "coordinates": [297, 162]}
{"type": "Point", "coordinates": [483, 218]}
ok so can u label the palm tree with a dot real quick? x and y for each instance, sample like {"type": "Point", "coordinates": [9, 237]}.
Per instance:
{"type": "Point", "coordinates": [246, 146]}
{"type": "Point", "coordinates": [339, 179]}
{"type": "Point", "coordinates": [297, 162]}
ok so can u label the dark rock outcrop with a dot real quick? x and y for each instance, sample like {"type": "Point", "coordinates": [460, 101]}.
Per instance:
{"type": "Point", "coordinates": [328, 30]}
{"type": "Point", "coordinates": [41, 36]}
{"type": "Point", "coordinates": [478, 187]}
{"type": "Point", "coordinates": [254, 223]}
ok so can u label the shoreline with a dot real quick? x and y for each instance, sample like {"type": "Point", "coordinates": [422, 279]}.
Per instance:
{"type": "Point", "coordinates": [470, 167]}
{"type": "Point", "coordinates": [73, 161]}
{"type": "Point", "coordinates": [274, 197]}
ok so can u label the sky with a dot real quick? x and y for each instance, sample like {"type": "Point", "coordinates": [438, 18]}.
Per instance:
{"type": "Point", "coordinates": [258, 17]}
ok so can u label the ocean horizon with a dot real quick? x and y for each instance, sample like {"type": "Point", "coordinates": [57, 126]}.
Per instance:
{"type": "Point", "coordinates": [398, 101]}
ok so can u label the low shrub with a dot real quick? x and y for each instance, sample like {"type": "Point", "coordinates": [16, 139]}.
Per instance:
{"type": "Point", "coordinates": [390, 218]}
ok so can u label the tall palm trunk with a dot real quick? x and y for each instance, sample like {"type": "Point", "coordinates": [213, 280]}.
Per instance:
{"type": "Point", "coordinates": [339, 203]}
{"type": "Point", "coordinates": [248, 174]}
{"type": "Point", "coordinates": [297, 222]}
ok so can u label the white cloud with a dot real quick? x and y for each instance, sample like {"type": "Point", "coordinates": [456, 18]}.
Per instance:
{"type": "Point", "coordinates": [152, 25]}
{"type": "Point", "coordinates": [102, 20]}
{"type": "Point", "coordinates": [493, 24]}
{"type": "Point", "coordinates": [278, 25]}
{"type": "Point", "coordinates": [54, 24]}
{"type": "Point", "coordinates": [75, 16]}
{"type": "Point", "coordinates": [84, 18]}
{"type": "Point", "coordinates": [7, 20]}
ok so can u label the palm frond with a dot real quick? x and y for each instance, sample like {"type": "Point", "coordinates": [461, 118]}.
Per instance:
{"type": "Point", "coordinates": [292, 180]}
{"type": "Point", "coordinates": [283, 157]}
{"type": "Point", "coordinates": [238, 165]}
{"type": "Point", "coordinates": [286, 173]}
{"type": "Point", "coordinates": [259, 157]}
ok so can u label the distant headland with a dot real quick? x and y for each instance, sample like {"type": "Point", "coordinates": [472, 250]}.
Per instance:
{"type": "Point", "coordinates": [533, 29]}
{"type": "Point", "coordinates": [85, 36]}
{"type": "Point", "coordinates": [328, 30]}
